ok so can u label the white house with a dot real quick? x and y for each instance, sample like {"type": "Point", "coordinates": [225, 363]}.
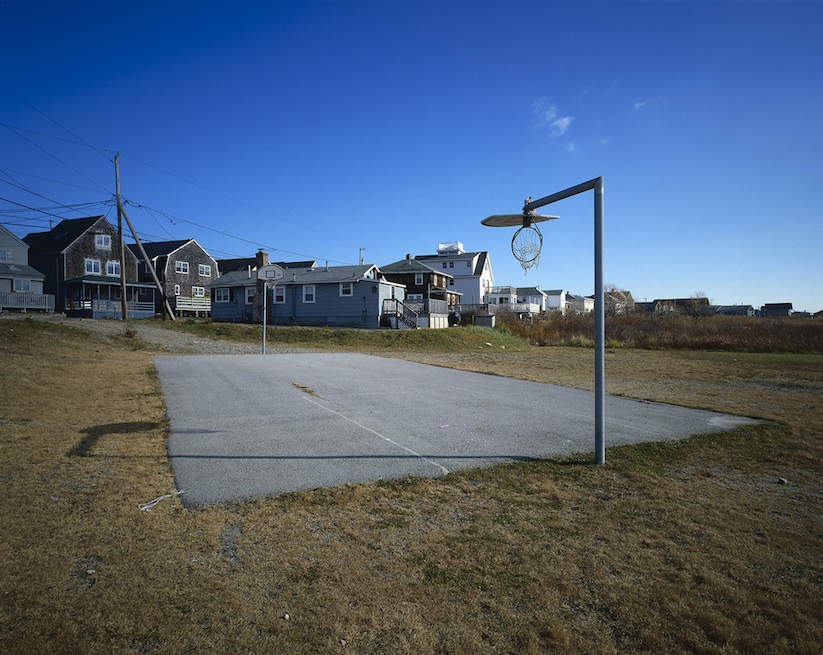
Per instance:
{"type": "Point", "coordinates": [579, 304]}
{"type": "Point", "coordinates": [471, 271]}
{"type": "Point", "coordinates": [533, 296]}
{"type": "Point", "coordinates": [556, 300]}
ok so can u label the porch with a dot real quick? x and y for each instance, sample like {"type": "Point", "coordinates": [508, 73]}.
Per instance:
{"type": "Point", "coordinates": [101, 298]}
{"type": "Point", "coordinates": [24, 301]}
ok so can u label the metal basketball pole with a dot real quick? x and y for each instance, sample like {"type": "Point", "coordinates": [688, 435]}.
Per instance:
{"type": "Point", "coordinates": [595, 185]}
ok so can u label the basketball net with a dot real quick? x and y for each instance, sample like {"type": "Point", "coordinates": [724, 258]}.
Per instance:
{"type": "Point", "coordinates": [527, 243]}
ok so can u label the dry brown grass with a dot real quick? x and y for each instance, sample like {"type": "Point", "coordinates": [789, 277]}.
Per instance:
{"type": "Point", "coordinates": [726, 333]}
{"type": "Point", "coordinates": [689, 547]}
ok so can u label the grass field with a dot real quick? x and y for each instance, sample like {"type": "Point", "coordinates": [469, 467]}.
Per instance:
{"type": "Point", "coordinates": [709, 545]}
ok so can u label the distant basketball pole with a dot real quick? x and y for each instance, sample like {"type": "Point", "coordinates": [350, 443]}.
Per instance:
{"type": "Point", "coordinates": [595, 185]}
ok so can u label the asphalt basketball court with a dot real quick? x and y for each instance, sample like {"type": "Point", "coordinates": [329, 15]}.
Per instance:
{"type": "Point", "coordinates": [254, 426]}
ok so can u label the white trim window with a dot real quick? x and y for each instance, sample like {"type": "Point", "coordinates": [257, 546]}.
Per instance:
{"type": "Point", "coordinates": [250, 291]}
{"type": "Point", "coordinates": [198, 292]}
{"type": "Point", "coordinates": [418, 279]}
{"type": "Point", "coordinates": [92, 267]}
{"type": "Point", "coordinates": [21, 285]}
{"type": "Point", "coordinates": [222, 295]}
{"type": "Point", "coordinates": [181, 267]}
{"type": "Point", "coordinates": [308, 293]}
{"type": "Point", "coordinates": [7, 256]}
{"type": "Point", "coordinates": [204, 270]}
{"type": "Point", "coordinates": [176, 289]}
{"type": "Point", "coordinates": [279, 294]}
{"type": "Point", "coordinates": [102, 241]}
{"type": "Point", "coordinates": [113, 268]}
{"type": "Point", "coordinates": [346, 289]}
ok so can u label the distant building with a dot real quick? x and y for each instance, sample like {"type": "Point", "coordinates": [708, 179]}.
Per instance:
{"type": "Point", "coordinates": [777, 309]}
{"type": "Point", "coordinates": [471, 271]}
{"type": "Point", "coordinates": [734, 310]}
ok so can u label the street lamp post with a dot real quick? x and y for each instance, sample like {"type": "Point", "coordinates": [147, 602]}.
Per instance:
{"type": "Point", "coordinates": [595, 185]}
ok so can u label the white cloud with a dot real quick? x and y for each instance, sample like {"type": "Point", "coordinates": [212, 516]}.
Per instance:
{"type": "Point", "coordinates": [545, 112]}
{"type": "Point", "coordinates": [571, 146]}
{"type": "Point", "coordinates": [560, 126]}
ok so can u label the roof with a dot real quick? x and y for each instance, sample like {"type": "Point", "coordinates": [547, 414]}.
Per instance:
{"type": "Point", "coordinates": [62, 235]}
{"type": "Point", "coordinates": [110, 281]}
{"type": "Point", "coordinates": [159, 248]}
{"type": "Point", "coordinates": [480, 262]}
{"type": "Point", "coordinates": [304, 275]}
{"type": "Point", "coordinates": [243, 264]}
{"type": "Point", "coordinates": [20, 270]}
{"type": "Point", "coordinates": [411, 266]}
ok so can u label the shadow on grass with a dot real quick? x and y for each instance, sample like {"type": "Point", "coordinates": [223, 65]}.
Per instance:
{"type": "Point", "coordinates": [93, 435]}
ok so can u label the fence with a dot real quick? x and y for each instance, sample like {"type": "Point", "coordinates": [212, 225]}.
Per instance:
{"type": "Point", "coordinates": [25, 300]}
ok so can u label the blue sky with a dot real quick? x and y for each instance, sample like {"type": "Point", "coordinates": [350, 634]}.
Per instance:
{"type": "Point", "coordinates": [315, 129]}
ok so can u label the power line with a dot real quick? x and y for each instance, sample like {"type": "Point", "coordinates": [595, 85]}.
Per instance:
{"type": "Point", "coordinates": [232, 236]}
{"type": "Point", "coordinates": [54, 156]}
{"type": "Point", "coordinates": [49, 118]}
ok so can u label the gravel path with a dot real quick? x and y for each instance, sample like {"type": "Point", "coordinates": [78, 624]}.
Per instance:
{"type": "Point", "coordinates": [167, 340]}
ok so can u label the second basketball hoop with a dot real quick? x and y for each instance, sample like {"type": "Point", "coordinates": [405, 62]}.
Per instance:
{"type": "Point", "coordinates": [527, 242]}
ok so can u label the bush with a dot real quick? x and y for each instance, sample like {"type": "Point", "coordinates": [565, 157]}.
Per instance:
{"type": "Point", "coordinates": [729, 333]}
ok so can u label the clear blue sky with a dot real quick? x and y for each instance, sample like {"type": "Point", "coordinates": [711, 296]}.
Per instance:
{"type": "Point", "coordinates": [314, 129]}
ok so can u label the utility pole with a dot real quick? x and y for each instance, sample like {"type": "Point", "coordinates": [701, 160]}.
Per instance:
{"type": "Point", "coordinates": [361, 256]}
{"type": "Point", "coordinates": [124, 308]}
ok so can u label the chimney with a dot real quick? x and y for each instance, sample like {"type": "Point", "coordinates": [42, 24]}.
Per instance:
{"type": "Point", "coordinates": [408, 255]}
{"type": "Point", "coordinates": [262, 258]}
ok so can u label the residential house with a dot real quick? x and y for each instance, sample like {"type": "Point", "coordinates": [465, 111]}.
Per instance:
{"type": "Point", "coordinates": [556, 300]}
{"type": "Point", "coordinates": [471, 271]}
{"type": "Point", "coordinates": [533, 296]}
{"type": "Point", "coordinates": [340, 296]}
{"type": "Point", "coordinates": [508, 298]}
{"type": "Point", "coordinates": [579, 304]}
{"type": "Point", "coordinates": [185, 271]}
{"type": "Point", "coordinates": [21, 286]}
{"type": "Point", "coordinates": [430, 294]}
{"type": "Point", "coordinates": [235, 291]}
{"type": "Point", "coordinates": [777, 309]}
{"type": "Point", "coordinates": [422, 281]}
{"type": "Point", "coordinates": [80, 258]}
{"type": "Point", "coordinates": [618, 302]}
{"type": "Point", "coordinates": [734, 310]}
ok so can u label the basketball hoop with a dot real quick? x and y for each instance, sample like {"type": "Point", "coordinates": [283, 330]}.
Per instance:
{"type": "Point", "coordinates": [527, 243]}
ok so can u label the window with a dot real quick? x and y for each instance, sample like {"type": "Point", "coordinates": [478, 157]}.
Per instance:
{"type": "Point", "coordinates": [102, 241]}
{"type": "Point", "coordinates": [181, 267]}
{"type": "Point", "coordinates": [7, 256]}
{"type": "Point", "coordinates": [204, 270]}
{"type": "Point", "coordinates": [250, 291]}
{"type": "Point", "coordinates": [418, 279]}
{"type": "Point", "coordinates": [445, 265]}
{"type": "Point", "coordinates": [176, 289]}
{"type": "Point", "coordinates": [346, 290]}
{"type": "Point", "coordinates": [451, 264]}
{"type": "Point", "coordinates": [308, 293]}
{"type": "Point", "coordinates": [279, 294]}
{"type": "Point", "coordinates": [198, 292]}
{"type": "Point", "coordinates": [92, 267]}
{"type": "Point", "coordinates": [222, 295]}
{"type": "Point", "coordinates": [22, 286]}
{"type": "Point", "coordinates": [113, 268]}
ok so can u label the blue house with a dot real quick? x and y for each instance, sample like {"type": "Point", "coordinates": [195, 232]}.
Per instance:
{"type": "Point", "coordinates": [340, 296]}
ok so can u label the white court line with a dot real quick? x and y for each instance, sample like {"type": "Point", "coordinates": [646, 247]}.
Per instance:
{"type": "Point", "coordinates": [391, 441]}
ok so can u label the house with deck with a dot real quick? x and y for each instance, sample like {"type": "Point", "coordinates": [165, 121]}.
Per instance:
{"type": "Point", "coordinates": [471, 272]}
{"type": "Point", "coordinates": [185, 271]}
{"type": "Point", "coordinates": [336, 296]}
{"type": "Point", "coordinates": [21, 286]}
{"type": "Point", "coordinates": [80, 259]}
